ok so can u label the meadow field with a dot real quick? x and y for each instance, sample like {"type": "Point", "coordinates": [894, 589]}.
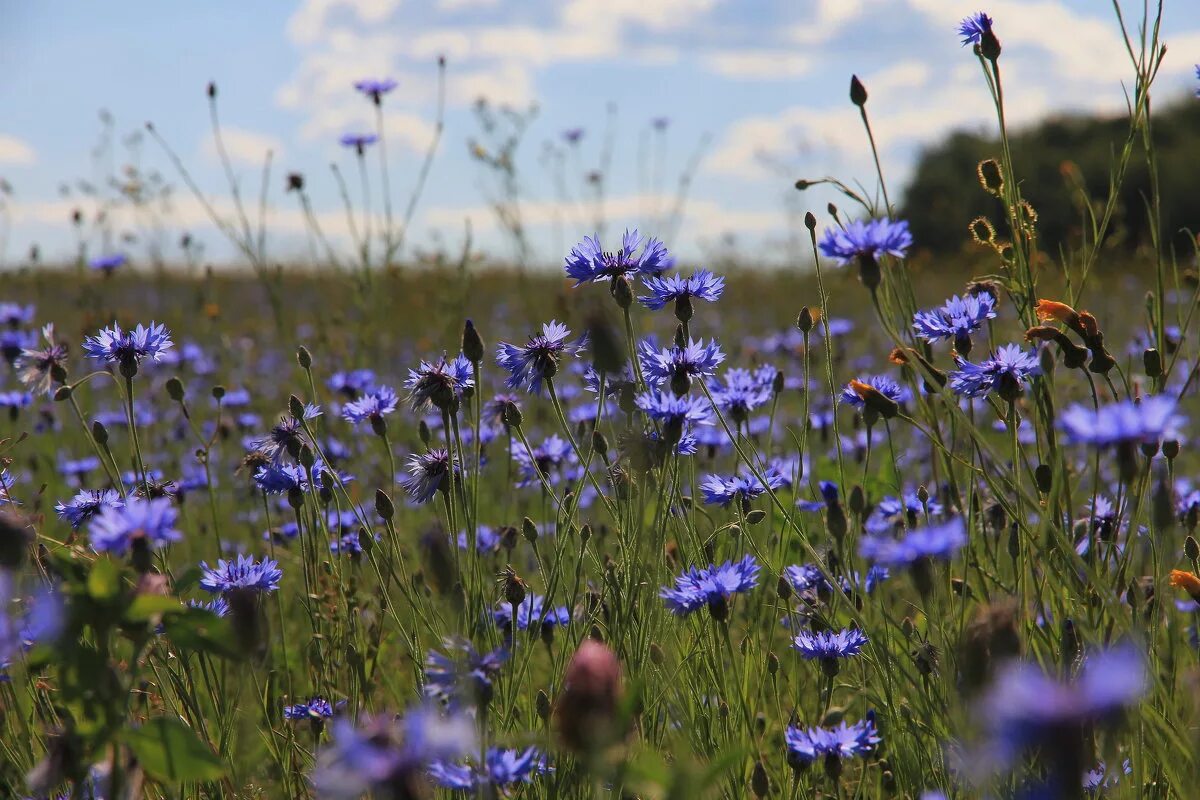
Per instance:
{"type": "Point", "coordinates": [878, 524]}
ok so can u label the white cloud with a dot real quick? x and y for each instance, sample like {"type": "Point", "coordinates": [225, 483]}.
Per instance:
{"type": "Point", "coordinates": [826, 20]}
{"type": "Point", "coordinates": [16, 151]}
{"type": "Point", "coordinates": [601, 15]}
{"type": "Point", "coordinates": [312, 18]}
{"type": "Point", "coordinates": [758, 65]}
{"type": "Point", "coordinates": [458, 5]}
{"type": "Point", "coordinates": [244, 147]}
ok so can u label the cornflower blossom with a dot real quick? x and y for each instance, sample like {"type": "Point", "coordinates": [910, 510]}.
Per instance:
{"type": "Point", "coordinates": [829, 645]}
{"type": "Point", "coordinates": [286, 436]}
{"type": "Point", "coordinates": [711, 586]}
{"type": "Point", "coordinates": [129, 349]}
{"type": "Point", "coordinates": [588, 262]}
{"type": "Point", "coordinates": [459, 672]}
{"type": "Point", "coordinates": [353, 383]}
{"type": "Point", "coordinates": [702, 285]}
{"type": "Point", "coordinates": [1005, 373]}
{"type": "Point", "coordinates": [15, 314]}
{"type": "Point", "coordinates": [116, 529]}
{"type": "Point", "coordinates": [439, 383]}
{"type": "Point", "coordinates": [1150, 420]}
{"type": "Point", "coordinates": [316, 708]}
{"type": "Point", "coordinates": [974, 28]}
{"type": "Point", "coordinates": [107, 264]}
{"type": "Point", "coordinates": [674, 411]}
{"type": "Point", "coordinates": [532, 611]}
{"type": "Point", "coordinates": [676, 366]}
{"type": "Point", "coordinates": [389, 755]}
{"type": "Point", "coordinates": [371, 407]}
{"type": "Point", "coordinates": [375, 88]}
{"type": "Point", "coordinates": [245, 573]}
{"type": "Point", "coordinates": [880, 383]}
{"type": "Point", "coordinates": [740, 392]}
{"type": "Point", "coordinates": [87, 504]}
{"type": "Point", "coordinates": [538, 359]}
{"type": "Point", "coordinates": [38, 369]}
{"type": "Point", "coordinates": [554, 459]}
{"type": "Point", "coordinates": [427, 474]}
{"type": "Point", "coordinates": [718, 490]}
{"type": "Point", "coordinates": [956, 320]}
{"type": "Point", "coordinates": [933, 542]}
{"type": "Point", "coordinates": [502, 769]}
{"type": "Point", "coordinates": [358, 141]}
{"type": "Point", "coordinates": [217, 605]}
{"type": "Point", "coordinates": [807, 579]}
{"type": "Point", "coordinates": [847, 740]}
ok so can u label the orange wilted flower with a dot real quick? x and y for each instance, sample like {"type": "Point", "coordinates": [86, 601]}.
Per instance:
{"type": "Point", "coordinates": [1186, 581]}
{"type": "Point", "coordinates": [898, 356]}
{"type": "Point", "coordinates": [1061, 312]}
{"type": "Point", "coordinates": [874, 399]}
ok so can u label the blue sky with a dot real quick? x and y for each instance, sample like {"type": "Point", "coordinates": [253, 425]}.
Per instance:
{"type": "Point", "coordinates": [765, 82]}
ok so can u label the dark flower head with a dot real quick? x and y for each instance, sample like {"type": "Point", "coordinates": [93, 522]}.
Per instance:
{"type": "Point", "coordinates": [538, 359]}
{"type": "Point", "coordinates": [588, 262]}
{"type": "Point", "coordinates": [87, 504]}
{"type": "Point", "coordinates": [702, 285]}
{"type": "Point", "coordinates": [287, 435]}
{"type": "Point", "coordinates": [39, 369]}
{"type": "Point", "coordinates": [245, 573]}
{"type": "Point", "coordinates": [870, 239]}
{"type": "Point", "coordinates": [974, 27]}
{"type": "Point", "coordinates": [1005, 373]}
{"type": "Point", "coordinates": [427, 474]}
{"type": "Point", "coordinates": [572, 135]}
{"type": "Point", "coordinates": [438, 383]}
{"type": "Point", "coordinates": [710, 586]}
{"type": "Point", "coordinates": [116, 528]}
{"type": "Point", "coordinates": [128, 349]}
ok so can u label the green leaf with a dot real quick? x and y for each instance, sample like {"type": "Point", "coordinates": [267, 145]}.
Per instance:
{"type": "Point", "coordinates": [171, 752]}
{"type": "Point", "coordinates": [187, 579]}
{"type": "Point", "coordinates": [147, 606]}
{"type": "Point", "coordinates": [104, 579]}
{"type": "Point", "coordinates": [202, 631]}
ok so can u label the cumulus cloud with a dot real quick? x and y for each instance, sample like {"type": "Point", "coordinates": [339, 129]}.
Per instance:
{"type": "Point", "coordinates": [244, 147]}
{"type": "Point", "coordinates": [16, 151]}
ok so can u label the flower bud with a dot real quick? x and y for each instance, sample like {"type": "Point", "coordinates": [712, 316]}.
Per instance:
{"type": "Point", "coordinates": [621, 291]}
{"type": "Point", "coordinates": [805, 320]}
{"type": "Point", "coordinates": [472, 343]}
{"type": "Point", "coordinates": [175, 389]}
{"type": "Point", "coordinates": [303, 357]}
{"type": "Point", "coordinates": [100, 433]}
{"type": "Point", "coordinates": [858, 92]}
{"type": "Point", "coordinates": [529, 530]}
{"type": "Point", "coordinates": [384, 506]}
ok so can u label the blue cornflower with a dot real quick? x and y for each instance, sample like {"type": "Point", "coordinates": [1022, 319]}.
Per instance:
{"type": "Point", "coordinates": [438, 383]}
{"type": "Point", "coordinates": [287, 435]}
{"type": "Point", "coordinates": [375, 88]}
{"type": "Point", "coordinates": [15, 314]}
{"type": "Point", "coordinates": [572, 135]}
{"type": "Point", "coordinates": [1004, 373]}
{"type": "Point", "coordinates": [806, 578]}
{"type": "Point", "coordinates": [352, 383]}
{"type": "Point", "coordinates": [1027, 708]}
{"type": "Point", "coordinates": [711, 586]}
{"type": "Point", "coordinates": [936, 541]}
{"type": "Point", "coordinates": [892, 513]}
{"type": "Point", "coordinates": [672, 410]}
{"type": "Point", "coordinates": [245, 573]}
{"type": "Point", "coordinates": [956, 320]}
{"type": "Point", "coordinates": [676, 288]}
{"type": "Point", "coordinates": [554, 459]}
{"type": "Point", "coordinates": [217, 605]}
{"type": "Point", "coordinates": [279, 478]}
{"type": "Point", "coordinates": [42, 620]}
{"type": "Point", "coordinates": [371, 407]}
{"type": "Point", "coordinates": [676, 366]}
{"type": "Point", "coordinates": [538, 358]}
{"type": "Point", "coordinates": [487, 539]}
{"type": "Point", "coordinates": [427, 474]}
{"type": "Point", "coordinates": [807, 745]}
{"type": "Point", "coordinates": [1098, 778]}
{"type": "Point", "coordinates": [15, 400]}
{"type": "Point", "coordinates": [15, 342]}
{"type": "Point", "coordinates": [87, 504]}
{"type": "Point", "coordinates": [359, 141]}
{"type": "Point", "coordinates": [107, 263]}
{"type": "Point", "coordinates": [1198, 78]}
{"type": "Point", "coordinates": [461, 672]}
{"type": "Point", "coordinates": [502, 768]}
{"type": "Point", "coordinates": [588, 261]}
{"type": "Point", "coordinates": [829, 645]}
{"type": "Point", "coordinates": [116, 528]}
{"type": "Point", "coordinates": [722, 491]}
{"type": "Point", "coordinates": [129, 349]}
{"type": "Point", "coordinates": [870, 239]}
{"type": "Point", "coordinates": [77, 468]}
{"type": "Point", "coordinates": [740, 392]}
{"type": "Point", "coordinates": [974, 27]}
{"type": "Point", "coordinates": [531, 611]}
{"type": "Point", "coordinates": [388, 755]}
{"type": "Point", "coordinates": [1152, 419]}
{"type": "Point", "coordinates": [316, 708]}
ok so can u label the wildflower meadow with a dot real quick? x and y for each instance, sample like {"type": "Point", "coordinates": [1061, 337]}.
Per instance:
{"type": "Point", "coordinates": [634, 528]}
